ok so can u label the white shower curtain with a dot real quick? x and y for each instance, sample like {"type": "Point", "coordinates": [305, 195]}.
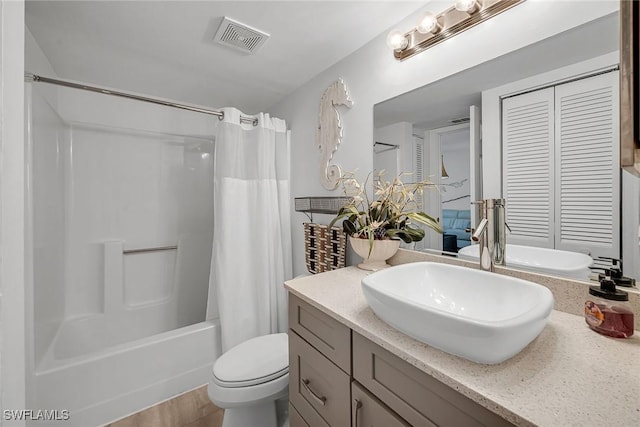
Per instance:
{"type": "Point", "coordinates": [251, 255]}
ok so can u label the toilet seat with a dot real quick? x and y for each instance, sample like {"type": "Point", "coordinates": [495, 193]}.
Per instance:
{"type": "Point", "coordinates": [253, 362]}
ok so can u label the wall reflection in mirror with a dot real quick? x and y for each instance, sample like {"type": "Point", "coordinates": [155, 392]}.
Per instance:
{"type": "Point", "coordinates": [538, 127]}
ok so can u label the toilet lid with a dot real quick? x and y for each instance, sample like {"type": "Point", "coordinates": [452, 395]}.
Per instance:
{"type": "Point", "coordinates": [252, 362]}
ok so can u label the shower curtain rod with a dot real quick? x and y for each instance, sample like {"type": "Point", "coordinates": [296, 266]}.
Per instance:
{"type": "Point", "coordinates": [219, 114]}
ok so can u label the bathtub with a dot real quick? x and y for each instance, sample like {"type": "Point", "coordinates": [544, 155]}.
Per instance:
{"type": "Point", "coordinates": [102, 386]}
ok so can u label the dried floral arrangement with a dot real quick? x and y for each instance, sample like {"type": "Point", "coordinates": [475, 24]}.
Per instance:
{"type": "Point", "coordinates": [392, 214]}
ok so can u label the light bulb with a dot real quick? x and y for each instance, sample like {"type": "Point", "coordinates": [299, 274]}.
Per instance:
{"type": "Point", "coordinates": [428, 23]}
{"type": "Point", "coordinates": [468, 6]}
{"type": "Point", "coordinates": [396, 40]}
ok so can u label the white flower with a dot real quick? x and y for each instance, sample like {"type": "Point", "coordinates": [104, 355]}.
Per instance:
{"type": "Point", "coordinates": [352, 187]}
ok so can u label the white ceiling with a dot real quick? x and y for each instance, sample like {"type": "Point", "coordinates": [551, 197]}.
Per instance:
{"type": "Point", "coordinates": [164, 48]}
{"type": "Point", "coordinates": [435, 105]}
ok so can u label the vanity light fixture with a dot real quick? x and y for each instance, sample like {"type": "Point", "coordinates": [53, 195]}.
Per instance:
{"type": "Point", "coordinates": [433, 29]}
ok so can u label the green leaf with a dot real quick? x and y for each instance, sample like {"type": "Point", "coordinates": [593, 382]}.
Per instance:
{"type": "Point", "coordinates": [349, 227]}
{"type": "Point", "coordinates": [346, 211]}
{"type": "Point", "coordinates": [341, 214]}
{"type": "Point", "coordinates": [423, 218]}
{"type": "Point", "coordinates": [384, 214]}
{"type": "Point", "coordinates": [401, 234]}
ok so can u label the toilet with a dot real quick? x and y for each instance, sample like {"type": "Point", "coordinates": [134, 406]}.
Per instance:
{"type": "Point", "coordinates": [247, 380]}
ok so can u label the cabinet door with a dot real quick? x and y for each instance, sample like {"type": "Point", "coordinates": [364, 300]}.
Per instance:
{"type": "Point", "coordinates": [370, 412]}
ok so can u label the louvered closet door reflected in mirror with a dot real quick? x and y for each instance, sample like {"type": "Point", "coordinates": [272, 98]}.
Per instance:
{"type": "Point", "coordinates": [528, 141]}
{"type": "Point", "coordinates": [561, 166]}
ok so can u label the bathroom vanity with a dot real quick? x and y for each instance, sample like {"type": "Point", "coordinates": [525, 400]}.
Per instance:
{"type": "Point", "coordinates": [349, 368]}
{"type": "Point", "coordinates": [340, 378]}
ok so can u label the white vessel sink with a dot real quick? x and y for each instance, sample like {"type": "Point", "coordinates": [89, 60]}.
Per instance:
{"type": "Point", "coordinates": [541, 260]}
{"type": "Point", "coordinates": [481, 316]}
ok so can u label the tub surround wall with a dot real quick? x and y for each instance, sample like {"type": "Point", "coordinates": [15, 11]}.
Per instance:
{"type": "Point", "coordinates": [47, 147]}
{"type": "Point", "coordinates": [549, 383]}
{"type": "Point", "coordinates": [135, 175]}
{"type": "Point", "coordinates": [105, 181]}
{"type": "Point", "coordinates": [47, 179]}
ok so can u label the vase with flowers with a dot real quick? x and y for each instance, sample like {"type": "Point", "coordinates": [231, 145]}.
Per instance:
{"type": "Point", "coordinates": [376, 226]}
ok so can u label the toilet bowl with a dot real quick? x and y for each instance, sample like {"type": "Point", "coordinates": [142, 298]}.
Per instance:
{"type": "Point", "coordinates": [248, 379]}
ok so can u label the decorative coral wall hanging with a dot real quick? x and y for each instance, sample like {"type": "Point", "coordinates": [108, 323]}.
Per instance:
{"type": "Point", "coordinates": [329, 131]}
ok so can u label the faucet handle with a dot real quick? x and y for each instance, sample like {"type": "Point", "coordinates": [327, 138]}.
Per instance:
{"type": "Point", "coordinates": [613, 272]}
{"type": "Point", "coordinates": [481, 227]}
{"type": "Point", "coordinates": [614, 261]}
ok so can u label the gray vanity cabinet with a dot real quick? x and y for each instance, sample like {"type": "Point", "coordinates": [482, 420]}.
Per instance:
{"type": "Point", "coordinates": [338, 378]}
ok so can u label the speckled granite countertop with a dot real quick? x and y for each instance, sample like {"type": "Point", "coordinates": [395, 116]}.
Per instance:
{"type": "Point", "coordinates": [568, 376]}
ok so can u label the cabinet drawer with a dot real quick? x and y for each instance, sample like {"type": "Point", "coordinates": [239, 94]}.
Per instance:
{"type": "Point", "coordinates": [367, 411]}
{"type": "Point", "coordinates": [327, 335]}
{"type": "Point", "coordinates": [317, 388]}
{"type": "Point", "coordinates": [415, 396]}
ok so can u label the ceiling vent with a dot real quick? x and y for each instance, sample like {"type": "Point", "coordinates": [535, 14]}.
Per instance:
{"type": "Point", "coordinates": [459, 121]}
{"type": "Point", "coordinates": [240, 36]}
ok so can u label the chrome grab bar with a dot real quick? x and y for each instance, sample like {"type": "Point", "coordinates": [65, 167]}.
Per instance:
{"type": "Point", "coordinates": [144, 250]}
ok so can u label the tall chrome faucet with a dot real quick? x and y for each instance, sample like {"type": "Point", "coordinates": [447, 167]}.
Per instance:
{"type": "Point", "coordinates": [490, 233]}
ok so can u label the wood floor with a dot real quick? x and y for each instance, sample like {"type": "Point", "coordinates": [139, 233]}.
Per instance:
{"type": "Point", "coordinates": [192, 409]}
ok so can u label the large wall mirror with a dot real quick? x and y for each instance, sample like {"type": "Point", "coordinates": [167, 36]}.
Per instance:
{"type": "Point", "coordinates": [539, 127]}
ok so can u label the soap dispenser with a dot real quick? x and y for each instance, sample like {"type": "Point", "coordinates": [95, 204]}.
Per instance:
{"type": "Point", "coordinates": [607, 310]}
{"type": "Point", "coordinates": [616, 272]}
